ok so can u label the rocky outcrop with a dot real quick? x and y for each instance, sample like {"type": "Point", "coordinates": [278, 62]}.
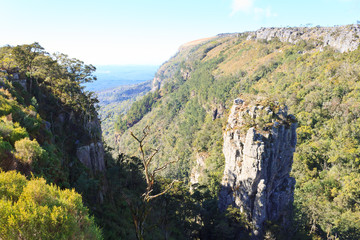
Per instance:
{"type": "Point", "coordinates": [166, 71]}
{"type": "Point", "coordinates": [198, 169]}
{"type": "Point", "coordinates": [218, 112]}
{"type": "Point", "coordinates": [88, 146]}
{"type": "Point", "coordinates": [341, 38]}
{"type": "Point", "coordinates": [92, 156]}
{"type": "Point", "coordinates": [259, 143]}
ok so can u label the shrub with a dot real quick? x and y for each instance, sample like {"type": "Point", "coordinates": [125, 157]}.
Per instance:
{"type": "Point", "coordinates": [10, 131]}
{"type": "Point", "coordinates": [11, 185]}
{"type": "Point", "coordinates": [35, 210]}
{"type": "Point", "coordinates": [27, 150]}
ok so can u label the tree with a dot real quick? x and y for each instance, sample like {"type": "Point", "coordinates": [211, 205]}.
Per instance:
{"type": "Point", "coordinates": [75, 69]}
{"type": "Point", "coordinates": [141, 211]}
{"type": "Point", "coordinates": [7, 61]}
{"type": "Point", "coordinates": [25, 55]}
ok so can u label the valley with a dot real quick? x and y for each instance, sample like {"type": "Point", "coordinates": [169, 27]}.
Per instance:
{"type": "Point", "coordinates": [251, 135]}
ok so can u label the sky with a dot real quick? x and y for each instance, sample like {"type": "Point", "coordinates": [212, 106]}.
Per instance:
{"type": "Point", "coordinates": [149, 32]}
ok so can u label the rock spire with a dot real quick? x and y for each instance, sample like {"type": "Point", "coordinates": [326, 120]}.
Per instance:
{"type": "Point", "coordinates": [259, 143]}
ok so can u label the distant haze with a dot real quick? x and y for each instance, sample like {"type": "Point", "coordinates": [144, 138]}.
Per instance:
{"type": "Point", "coordinates": [111, 76]}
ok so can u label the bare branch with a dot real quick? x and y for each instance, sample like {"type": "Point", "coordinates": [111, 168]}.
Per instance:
{"type": "Point", "coordinates": [133, 135]}
{"type": "Point", "coordinates": [148, 198]}
{"type": "Point", "coordinates": [163, 167]}
{"type": "Point", "coordinates": [148, 160]}
{"type": "Point", "coordinates": [139, 214]}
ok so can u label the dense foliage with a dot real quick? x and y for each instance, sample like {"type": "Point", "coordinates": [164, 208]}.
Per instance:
{"type": "Point", "coordinates": [115, 102]}
{"type": "Point", "coordinates": [319, 87]}
{"type": "Point", "coordinates": [137, 111]}
{"type": "Point", "coordinates": [178, 214]}
{"type": "Point", "coordinates": [32, 209]}
{"type": "Point", "coordinates": [44, 117]}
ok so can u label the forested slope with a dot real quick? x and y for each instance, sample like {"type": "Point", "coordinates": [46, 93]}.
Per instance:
{"type": "Point", "coordinates": [193, 91]}
{"type": "Point", "coordinates": [45, 116]}
{"type": "Point", "coordinates": [50, 144]}
{"type": "Point", "coordinates": [117, 101]}
{"type": "Point", "coordinates": [50, 133]}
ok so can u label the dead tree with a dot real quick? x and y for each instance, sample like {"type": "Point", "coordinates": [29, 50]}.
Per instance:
{"type": "Point", "coordinates": [140, 211]}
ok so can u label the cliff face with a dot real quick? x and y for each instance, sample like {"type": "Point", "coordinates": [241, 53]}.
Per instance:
{"type": "Point", "coordinates": [92, 155]}
{"type": "Point", "coordinates": [86, 137]}
{"type": "Point", "coordinates": [258, 146]}
{"type": "Point", "coordinates": [190, 53]}
{"type": "Point", "coordinates": [342, 38]}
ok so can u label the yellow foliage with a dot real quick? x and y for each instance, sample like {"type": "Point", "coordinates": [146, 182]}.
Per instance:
{"type": "Point", "coordinates": [27, 151]}
{"type": "Point", "coordinates": [36, 210]}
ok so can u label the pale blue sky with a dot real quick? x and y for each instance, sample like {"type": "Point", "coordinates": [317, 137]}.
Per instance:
{"type": "Point", "coordinates": [149, 32]}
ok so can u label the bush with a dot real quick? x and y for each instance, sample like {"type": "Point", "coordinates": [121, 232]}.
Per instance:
{"type": "Point", "coordinates": [35, 210]}
{"type": "Point", "coordinates": [27, 151]}
{"type": "Point", "coordinates": [11, 185]}
{"type": "Point", "coordinates": [10, 131]}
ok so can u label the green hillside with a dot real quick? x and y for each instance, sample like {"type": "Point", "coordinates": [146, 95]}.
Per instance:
{"type": "Point", "coordinates": [44, 114]}
{"type": "Point", "coordinates": [319, 85]}
{"type": "Point", "coordinates": [58, 180]}
{"type": "Point", "coordinates": [117, 101]}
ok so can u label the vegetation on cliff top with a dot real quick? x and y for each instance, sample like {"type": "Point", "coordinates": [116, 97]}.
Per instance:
{"type": "Point", "coordinates": [43, 116]}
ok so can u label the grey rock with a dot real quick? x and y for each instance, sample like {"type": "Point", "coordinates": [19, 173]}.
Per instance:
{"type": "Point", "coordinates": [16, 76]}
{"type": "Point", "coordinates": [342, 38]}
{"type": "Point", "coordinates": [198, 169]}
{"type": "Point", "coordinates": [218, 112]}
{"type": "Point", "coordinates": [214, 114]}
{"type": "Point", "coordinates": [62, 117]}
{"type": "Point", "coordinates": [257, 166]}
{"type": "Point", "coordinates": [22, 83]}
{"type": "Point", "coordinates": [92, 156]}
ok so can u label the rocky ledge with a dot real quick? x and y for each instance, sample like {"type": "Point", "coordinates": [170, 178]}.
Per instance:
{"type": "Point", "coordinates": [259, 143]}
{"type": "Point", "coordinates": [342, 38]}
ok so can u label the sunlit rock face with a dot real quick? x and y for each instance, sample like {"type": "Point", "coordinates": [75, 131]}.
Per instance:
{"type": "Point", "coordinates": [259, 143]}
{"type": "Point", "coordinates": [342, 38]}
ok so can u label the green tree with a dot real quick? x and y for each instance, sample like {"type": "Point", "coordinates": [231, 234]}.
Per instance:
{"type": "Point", "coordinates": [25, 56]}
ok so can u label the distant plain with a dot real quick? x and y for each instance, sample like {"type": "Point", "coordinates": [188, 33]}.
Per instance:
{"type": "Point", "coordinates": [112, 76]}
